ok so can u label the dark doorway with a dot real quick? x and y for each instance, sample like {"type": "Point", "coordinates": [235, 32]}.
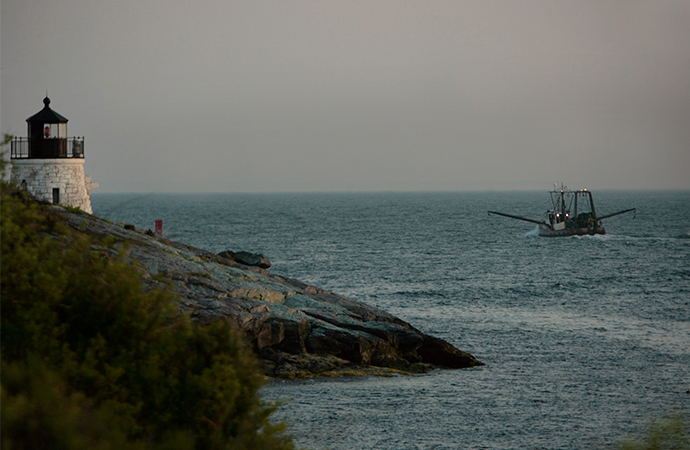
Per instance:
{"type": "Point", "coordinates": [56, 196]}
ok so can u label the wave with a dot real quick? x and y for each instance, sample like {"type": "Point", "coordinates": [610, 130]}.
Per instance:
{"type": "Point", "coordinates": [423, 293]}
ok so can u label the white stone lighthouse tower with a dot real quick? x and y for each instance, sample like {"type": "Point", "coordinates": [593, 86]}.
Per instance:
{"type": "Point", "coordinates": [49, 164]}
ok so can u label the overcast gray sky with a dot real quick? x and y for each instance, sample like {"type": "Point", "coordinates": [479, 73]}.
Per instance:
{"type": "Point", "coordinates": [228, 96]}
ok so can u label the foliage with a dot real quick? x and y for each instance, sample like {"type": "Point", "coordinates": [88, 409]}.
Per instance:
{"type": "Point", "coordinates": [669, 432]}
{"type": "Point", "coordinates": [38, 412]}
{"type": "Point", "coordinates": [73, 209]}
{"type": "Point", "coordinates": [90, 360]}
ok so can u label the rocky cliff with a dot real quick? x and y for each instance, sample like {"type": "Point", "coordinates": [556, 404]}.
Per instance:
{"type": "Point", "coordinates": [296, 330]}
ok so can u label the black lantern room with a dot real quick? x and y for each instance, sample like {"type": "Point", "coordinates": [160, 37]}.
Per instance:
{"type": "Point", "coordinates": [47, 133]}
{"type": "Point", "coordinates": [47, 137]}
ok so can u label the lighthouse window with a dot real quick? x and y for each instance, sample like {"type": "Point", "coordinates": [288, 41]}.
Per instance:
{"type": "Point", "coordinates": [54, 130]}
{"type": "Point", "coordinates": [56, 196]}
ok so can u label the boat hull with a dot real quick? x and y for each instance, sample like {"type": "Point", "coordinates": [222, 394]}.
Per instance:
{"type": "Point", "coordinates": [547, 232]}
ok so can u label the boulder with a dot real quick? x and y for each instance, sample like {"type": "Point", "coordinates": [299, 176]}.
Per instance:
{"type": "Point", "coordinates": [247, 258]}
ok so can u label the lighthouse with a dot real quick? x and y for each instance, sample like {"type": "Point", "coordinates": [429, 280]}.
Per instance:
{"type": "Point", "coordinates": [49, 164]}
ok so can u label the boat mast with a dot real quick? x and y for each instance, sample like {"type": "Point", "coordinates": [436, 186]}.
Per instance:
{"type": "Point", "coordinates": [575, 207]}
{"type": "Point", "coordinates": [594, 213]}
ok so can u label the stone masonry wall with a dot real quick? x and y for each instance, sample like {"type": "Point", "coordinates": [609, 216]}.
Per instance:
{"type": "Point", "coordinates": [41, 176]}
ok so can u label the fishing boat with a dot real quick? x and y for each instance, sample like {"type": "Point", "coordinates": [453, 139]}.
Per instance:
{"type": "Point", "coordinates": [572, 214]}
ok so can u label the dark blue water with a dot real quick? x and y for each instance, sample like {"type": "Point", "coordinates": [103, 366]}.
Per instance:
{"type": "Point", "coordinates": [584, 338]}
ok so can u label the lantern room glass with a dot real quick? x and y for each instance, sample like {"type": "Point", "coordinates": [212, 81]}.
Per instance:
{"type": "Point", "coordinates": [54, 130]}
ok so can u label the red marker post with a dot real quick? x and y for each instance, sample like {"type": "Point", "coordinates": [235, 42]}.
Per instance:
{"type": "Point", "coordinates": [159, 228]}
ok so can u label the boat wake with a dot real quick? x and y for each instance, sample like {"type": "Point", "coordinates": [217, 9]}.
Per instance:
{"type": "Point", "coordinates": [602, 237]}
{"type": "Point", "coordinates": [533, 233]}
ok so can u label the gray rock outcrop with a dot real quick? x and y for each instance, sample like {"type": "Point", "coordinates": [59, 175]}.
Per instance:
{"type": "Point", "coordinates": [295, 329]}
{"type": "Point", "coordinates": [247, 258]}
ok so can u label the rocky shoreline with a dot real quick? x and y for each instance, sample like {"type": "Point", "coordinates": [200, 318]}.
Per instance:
{"type": "Point", "coordinates": [297, 330]}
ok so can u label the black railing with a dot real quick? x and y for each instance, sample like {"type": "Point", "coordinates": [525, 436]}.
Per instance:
{"type": "Point", "coordinates": [23, 148]}
{"type": "Point", "coordinates": [19, 148]}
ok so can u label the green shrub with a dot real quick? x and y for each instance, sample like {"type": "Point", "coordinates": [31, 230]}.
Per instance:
{"type": "Point", "coordinates": [669, 432]}
{"type": "Point", "coordinates": [38, 412]}
{"type": "Point", "coordinates": [90, 360]}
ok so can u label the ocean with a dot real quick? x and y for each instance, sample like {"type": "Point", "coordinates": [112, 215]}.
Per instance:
{"type": "Point", "coordinates": [584, 339]}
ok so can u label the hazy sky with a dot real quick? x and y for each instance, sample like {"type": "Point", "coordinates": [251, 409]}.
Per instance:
{"type": "Point", "coordinates": [225, 96]}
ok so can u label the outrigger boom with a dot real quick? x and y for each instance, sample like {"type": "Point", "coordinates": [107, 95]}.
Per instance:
{"type": "Point", "coordinates": [538, 222]}
{"type": "Point", "coordinates": [606, 216]}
